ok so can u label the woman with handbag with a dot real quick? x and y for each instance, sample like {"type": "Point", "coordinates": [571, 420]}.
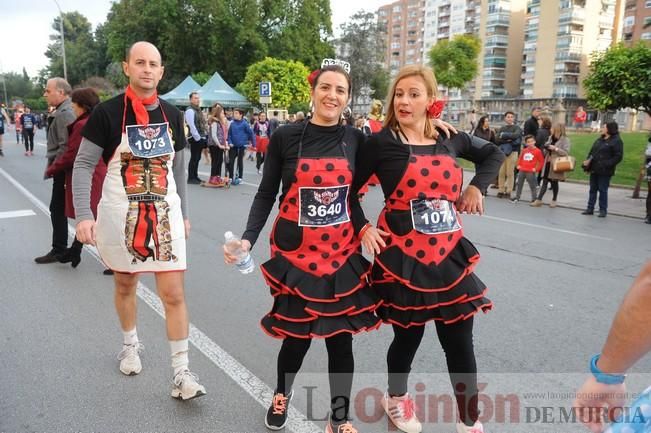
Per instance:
{"type": "Point", "coordinates": [557, 146]}
{"type": "Point", "coordinates": [604, 156]}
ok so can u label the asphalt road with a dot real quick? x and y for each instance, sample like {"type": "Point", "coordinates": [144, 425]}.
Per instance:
{"type": "Point", "coordinates": [555, 277]}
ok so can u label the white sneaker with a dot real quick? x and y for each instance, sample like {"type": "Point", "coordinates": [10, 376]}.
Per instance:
{"type": "Point", "coordinates": [186, 386]}
{"type": "Point", "coordinates": [476, 428]}
{"type": "Point", "coordinates": [402, 412]}
{"type": "Point", "coordinates": [130, 359]}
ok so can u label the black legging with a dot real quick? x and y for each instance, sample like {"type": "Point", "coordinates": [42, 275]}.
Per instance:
{"type": "Point", "coordinates": [341, 365]}
{"type": "Point", "coordinates": [648, 200]}
{"type": "Point", "coordinates": [456, 340]}
{"type": "Point", "coordinates": [217, 159]}
{"type": "Point", "coordinates": [545, 181]}
{"type": "Point", "coordinates": [28, 139]}
{"type": "Point", "coordinates": [236, 153]}
{"type": "Point", "coordinates": [259, 160]}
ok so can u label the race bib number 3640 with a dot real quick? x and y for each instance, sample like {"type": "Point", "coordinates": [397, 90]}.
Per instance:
{"type": "Point", "coordinates": [433, 216]}
{"type": "Point", "coordinates": [324, 206]}
{"type": "Point", "coordinates": [150, 141]}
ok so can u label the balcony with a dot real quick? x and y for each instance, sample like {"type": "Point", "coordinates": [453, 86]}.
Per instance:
{"type": "Point", "coordinates": [573, 16]}
{"type": "Point", "coordinates": [568, 57]}
{"type": "Point", "coordinates": [497, 41]}
{"type": "Point", "coordinates": [494, 74]}
{"type": "Point", "coordinates": [498, 19]}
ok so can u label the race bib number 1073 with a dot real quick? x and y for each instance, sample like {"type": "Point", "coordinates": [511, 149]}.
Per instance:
{"type": "Point", "coordinates": [149, 141]}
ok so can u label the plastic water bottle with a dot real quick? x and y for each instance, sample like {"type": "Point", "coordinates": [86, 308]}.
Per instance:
{"type": "Point", "coordinates": [244, 262]}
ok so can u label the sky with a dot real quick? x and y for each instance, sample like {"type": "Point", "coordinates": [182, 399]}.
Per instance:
{"type": "Point", "coordinates": [27, 25]}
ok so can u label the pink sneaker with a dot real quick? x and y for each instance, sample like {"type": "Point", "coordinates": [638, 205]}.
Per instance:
{"type": "Point", "coordinates": [476, 428]}
{"type": "Point", "coordinates": [402, 413]}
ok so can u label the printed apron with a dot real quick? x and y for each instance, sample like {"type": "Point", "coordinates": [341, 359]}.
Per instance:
{"type": "Point", "coordinates": [425, 272]}
{"type": "Point", "coordinates": [140, 226]}
{"type": "Point", "coordinates": [319, 283]}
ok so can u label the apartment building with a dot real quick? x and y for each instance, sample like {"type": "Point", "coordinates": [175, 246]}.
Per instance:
{"type": "Point", "coordinates": [444, 19]}
{"type": "Point", "coordinates": [637, 21]}
{"type": "Point", "coordinates": [559, 40]}
{"type": "Point", "coordinates": [404, 22]}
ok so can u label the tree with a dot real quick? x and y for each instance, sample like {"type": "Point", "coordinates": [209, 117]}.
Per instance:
{"type": "Point", "coordinates": [362, 45]}
{"type": "Point", "coordinates": [297, 30]}
{"type": "Point", "coordinates": [288, 80]}
{"type": "Point", "coordinates": [455, 61]}
{"type": "Point", "coordinates": [81, 50]}
{"type": "Point", "coordinates": [619, 78]}
{"type": "Point", "coordinates": [380, 82]}
{"type": "Point", "coordinates": [201, 77]}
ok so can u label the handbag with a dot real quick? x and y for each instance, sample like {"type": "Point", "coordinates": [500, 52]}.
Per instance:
{"type": "Point", "coordinates": [563, 164]}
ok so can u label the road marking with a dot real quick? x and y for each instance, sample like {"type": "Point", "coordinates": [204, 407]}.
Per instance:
{"type": "Point", "coordinates": [241, 375]}
{"type": "Point", "coordinates": [17, 213]}
{"type": "Point", "coordinates": [569, 232]}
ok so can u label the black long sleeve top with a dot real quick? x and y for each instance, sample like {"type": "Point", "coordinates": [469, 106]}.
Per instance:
{"type": "Point", "coordinates": [387, 157]}
{"type": "Point", "coordinates": [281, 161]}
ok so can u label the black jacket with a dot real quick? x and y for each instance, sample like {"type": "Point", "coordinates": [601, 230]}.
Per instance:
{"type": "Point", "coordinates": [605, 154]}
{"type": "Point", "coordinates": [531, 126]}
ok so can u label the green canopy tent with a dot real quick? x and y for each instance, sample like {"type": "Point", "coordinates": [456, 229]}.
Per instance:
{"type": "Point", "coordinates": [180, 94]}
{"type": "Point", "coordinates": [217, 90]}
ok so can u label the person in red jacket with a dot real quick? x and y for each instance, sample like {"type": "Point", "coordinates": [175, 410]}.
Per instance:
{"type": "Point", "coordinates": [83, 102]}
{"type": "Point", "coordinates": [530, 163]}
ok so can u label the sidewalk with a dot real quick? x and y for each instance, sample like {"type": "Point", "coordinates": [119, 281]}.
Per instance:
{"type": "Point", "coordinates": [574, 195]}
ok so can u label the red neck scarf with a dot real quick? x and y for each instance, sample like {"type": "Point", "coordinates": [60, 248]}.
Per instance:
{"type": "Point", "coordinates": [142, 115]}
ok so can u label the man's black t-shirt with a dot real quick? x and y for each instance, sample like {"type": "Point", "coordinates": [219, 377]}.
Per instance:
{"type": "Point", "coordinates": [104, 127]}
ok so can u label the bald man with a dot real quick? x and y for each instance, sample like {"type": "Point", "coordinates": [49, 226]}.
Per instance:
{"type": "Point", "coordinates": [142, 220]}
{"type": "Point", "coordinates": [57, 94]}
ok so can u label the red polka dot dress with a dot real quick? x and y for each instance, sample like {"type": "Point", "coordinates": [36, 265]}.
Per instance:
{"type": "Point", "coordinates": [426, 271]}
{"type": "Point", "coordinates": [317, 275]}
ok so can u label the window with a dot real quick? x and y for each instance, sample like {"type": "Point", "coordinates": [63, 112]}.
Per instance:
{"type": "Point", "coordinates": [646, 36]}
{"type": "Point", "coordinates": [629, 21]}
{"type": "Point", "coordinates": [647, 4]}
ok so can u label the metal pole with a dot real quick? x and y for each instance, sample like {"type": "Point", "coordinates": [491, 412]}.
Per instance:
{"type": "Point", "coordinates": [4, 87]}
{"type": "Point", "coordinates": [63, 42]}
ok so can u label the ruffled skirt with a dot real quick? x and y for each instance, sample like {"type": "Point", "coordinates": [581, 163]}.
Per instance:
{"type": "Point", "coordinates": [308, 306]}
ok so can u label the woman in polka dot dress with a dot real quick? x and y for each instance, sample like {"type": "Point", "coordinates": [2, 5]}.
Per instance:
{"type": "Point", "coordinates": [423, 269]}
{"type": "Point", "coordinates": [317, 275]}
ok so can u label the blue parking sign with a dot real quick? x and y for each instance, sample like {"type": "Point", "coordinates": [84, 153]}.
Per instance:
{"type": "Point", "coordinates": [265, 89]}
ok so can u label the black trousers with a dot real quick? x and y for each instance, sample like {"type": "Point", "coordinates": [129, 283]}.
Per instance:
{"type": "Point", "coordinates": [233, 154]}
{"type": "Point", "coordinates": [196, 146]}
{"type": "Point", "coordinates": [456, 340]}
{"type": "Point", "coordinates": [58, 213]}
{"type": "Point", "coordinates": [216, 160]}
{"type": "Point", "coordinates": [28, 139]}
{"type": "Point", "coordinates": [341, 365]}
{"type": "Point", "coordinates": [648, 200]}
{"type": "Point", "coordinates": [259, 160]}
{"type": "Point", "coordinates": [599, 183]}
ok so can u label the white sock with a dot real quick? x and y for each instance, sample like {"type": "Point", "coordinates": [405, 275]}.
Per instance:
{"type": "Point", "coordinates": [179, 349]}
{"type": "Point", "coordinates": [130, 337]}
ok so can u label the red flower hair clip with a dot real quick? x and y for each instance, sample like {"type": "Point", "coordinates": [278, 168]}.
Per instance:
{"type": "Point", "coordinates": [436, 108]}
{"type": "Point", "coordinates": [312, 77]}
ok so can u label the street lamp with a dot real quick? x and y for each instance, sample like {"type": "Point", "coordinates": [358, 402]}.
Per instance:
{"type": "Point", "coordinates": [63, 42]}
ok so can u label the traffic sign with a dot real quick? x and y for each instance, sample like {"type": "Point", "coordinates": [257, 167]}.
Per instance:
{"type": "Point", "coordinates": [265, 99]}
{"type": "Point", "coordinates": [265, 88]}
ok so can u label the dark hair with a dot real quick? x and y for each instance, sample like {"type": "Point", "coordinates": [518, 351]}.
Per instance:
{"type": "Point", "coordinates": [481, 121]}
{"type": "Point", "coordinates": [612, 128]}
{"type": "Point", "coordinates": [192, 94]}
{"type": "Point", "coordinates": [240, 110]}
{"type": "Point", "coordinates": [546, 123]}
{"type": "Point", "coordinates": [509, 112]}
{"type": "Point", "coordinates": [275, 112]}
{"type": "Point", "coordinates": [85, 97]}
{"type": "Point", "coordinates": [528, 136]}
{"type": "Point", "coordinates": [333, 68]}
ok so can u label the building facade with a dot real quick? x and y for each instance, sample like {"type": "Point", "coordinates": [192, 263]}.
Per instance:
{"type": "Point", "coordinates": [403, 22]}
{"type": "Point", "coordinates": [637, 21]}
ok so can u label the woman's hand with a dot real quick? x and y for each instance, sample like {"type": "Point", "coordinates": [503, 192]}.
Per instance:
{"type": "Point", "coordinates": [471, 201]}
{"type": "Point", "coordinates": [85, 232]}
{"type": "Point", "coordinates": [230, 259]}
{"type": "Point", "coordinates": [372, 240]}
{"type": "Point", "coordinates": [445, 126]}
